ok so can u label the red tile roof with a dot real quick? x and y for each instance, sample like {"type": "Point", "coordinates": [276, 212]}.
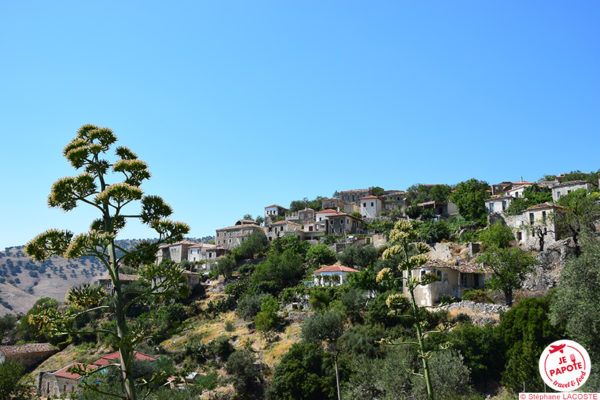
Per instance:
{"type": "Point", "coordinates": [107, 359]}
{"type": "Point", "coordinates": [64, 372]}
{"type": "Point", "coordinates": [329, 211]}
{"type": "Point", "coordinates": [335, 268]}
{"type": "Point", "coordinates": [368, 197]}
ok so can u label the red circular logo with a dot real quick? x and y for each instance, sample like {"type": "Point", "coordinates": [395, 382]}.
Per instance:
{"type": "Point", "coordinates": [565, 365]}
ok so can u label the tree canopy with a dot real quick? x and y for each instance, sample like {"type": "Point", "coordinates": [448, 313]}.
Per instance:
{"type": "Point", "coordinates": [469, 197]}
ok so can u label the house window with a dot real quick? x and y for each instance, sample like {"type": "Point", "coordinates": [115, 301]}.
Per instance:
{"type": "Point", "coordinates": [364, 204]}
{"type": "Point", "coordinates": [503, 205]}
{"type": "Point", "coordinates": [531, 218]}
{"type": "Point", "coordinates": [544, 216]}
{"type": "Point", "coordinates": [519, 236]}
{"type": "Point", "coordinates": [465, 279]}
{"type": "Point", "coordinates": [371, 204]}
{"type": "Point", "coordinates": [558, 194]}
{"type": "Point", "coordinates": [491, 206]}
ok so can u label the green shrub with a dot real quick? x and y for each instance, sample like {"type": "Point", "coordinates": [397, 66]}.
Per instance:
{"type": "Point", "coordinates": [477, 295]}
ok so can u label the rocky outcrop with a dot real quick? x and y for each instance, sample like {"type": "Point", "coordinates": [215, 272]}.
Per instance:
{"type": "Point", "coordinates": [546, 272]}
{"type": "Point", "coordinates": [479, 313]}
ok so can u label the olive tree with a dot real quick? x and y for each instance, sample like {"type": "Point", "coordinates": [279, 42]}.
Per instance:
{"type": "Point", "coordinates": [112, 186]}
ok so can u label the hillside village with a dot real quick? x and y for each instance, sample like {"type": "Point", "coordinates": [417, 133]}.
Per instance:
{"type": "Point", "coordinates": [256, 288]}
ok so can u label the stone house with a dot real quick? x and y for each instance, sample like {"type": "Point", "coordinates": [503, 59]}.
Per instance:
{"type": "Point", "coordinates": [301, 217]}
{"type": "Point", "coordinates": [61, 382]}
{"type": "Point", "coordinates": [443, 209]}
{"type": "Point", "coordinates": [206, 253]}
{"type": "Point", "coordinates": [280, 229]}
{"type": "Point", "coordinates": [567, 187]}
{"type": "Point", "coordinates": [232, 236]}
{"type": "Point", "coordinates": [371, 207]}
{"type": "Point", "coordinates": [454, 278]}
{"type": "Point", "coordinates": [67, 382]}
{"type": "Point", "coordinates": [516, 190]}
{"type": "Point", "coordinates": [353, 196]}
{"type": "Point", "coordinates": [324, 214]}
{"type": "Point", "coordinates": [106, 282]}
{"type": "Point", "coordinates": [393, 199]}
{"type": "Point", "coordinates": [274, 211]}
{"type": "Point", "coordinates": [332, 275]}
{"type": "Point", "coordinates": [536, 226]}
{"type": "Point", "coordinates": [336, 204]}
{"type": "Point", "coordinates": [27, 355]}
{"type": "Point", "coordinates": [498, 204]}
{"type": "Point", "coordinates": [343, 224]}
{"type": "Point", "coordinates": [176, 252]}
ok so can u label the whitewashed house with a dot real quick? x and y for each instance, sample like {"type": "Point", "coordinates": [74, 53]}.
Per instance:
{"type": "Point", "coordinates": [536, 227]}
{"type": "Point", "coordinates": [453, 280]}
{"type": "Point", "coordinates": [498, 204]}
{"type": "Point", "coordinates": [274, 211]}
{"type": "Point", "coordinates": [371, 206]}
{"type": "Point", "coordinates": [332, 275]}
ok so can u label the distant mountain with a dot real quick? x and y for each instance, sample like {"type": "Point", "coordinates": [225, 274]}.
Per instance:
{"type": "Point", "coordinates": [23, 281]}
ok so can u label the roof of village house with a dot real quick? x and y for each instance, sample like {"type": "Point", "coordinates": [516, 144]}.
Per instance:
{"type": "Point", "coordinates": [329, 211]}
{"type": "Point", "coordinates": [282, 222]}
{"type": "Point", "coordinates": [276, 205]}
{"type": "Point", "coordinates": [27, 348]}
{"type": "Point", "coordinates": [182, 242]}
{"type": "Point", "coordinates": [239, 227]}
{"type": "Point", "coordinates": [519, 185]}
{"type": "Point", "coordinates": [354, 191]}
{"type": "Point", "coordinates": [571, 183]}
{"type": "Point", "coordinates": [122, 277]}
{"type": "Point", "coordinates": [465, 267]}
{"type": "Point", "coordinates": [335, 268]}
{"type": "Point", "coordinates": [498, 197]}
{"type": "Point", "coordinates": [545, 206]}
{"type": "Point", "coordinates": [205, 245]}
{"type": "Point", "coordinates": [245, 222]}
{"type": "Point", "coordinates": [369, 197]}
{"type": "Point", "coordinates": [341, 214]}
{"type": "Point", "coordinates": [107, 359]}
{"type": "Point", "coordinates": [64, 372]}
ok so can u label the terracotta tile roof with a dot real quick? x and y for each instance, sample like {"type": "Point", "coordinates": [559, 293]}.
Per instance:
{"type": "Point", "coordinates": [28, 348]}
{"type": "Point", "coordinates": [354, 191]}
{"type": "Point", "coordinates": [335, 268]}
{"type": "Point", "coordinates": [329, 211]}
{"type": "Point", "coordinates": [466, 267]}
{"type": "Point", "coordinates": [64, 372]}
{"type": "Point", "coordinates": [368, 197]}
{"type": "Point", "coordinates": [545, 206]}
{"type": "Point", "coordinates": [107, 359]}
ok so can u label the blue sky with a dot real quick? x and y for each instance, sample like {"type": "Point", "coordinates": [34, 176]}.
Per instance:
{"type": "Point", "coordinates": [238, 105]}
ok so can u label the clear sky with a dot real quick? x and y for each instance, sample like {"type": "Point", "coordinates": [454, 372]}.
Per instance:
{"type": "Point", "coordinates": [239, 105]}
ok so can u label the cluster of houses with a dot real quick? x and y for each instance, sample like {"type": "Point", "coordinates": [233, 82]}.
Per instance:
{"type": "Point", "coordinates": [348, 212]}
{"type": "Point", "coordinates": [536, 226]}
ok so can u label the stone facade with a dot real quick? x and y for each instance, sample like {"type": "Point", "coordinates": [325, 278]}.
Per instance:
{"type": "Point", "coordinates": [273, 211]}
{"type": "Point", "coordinates": [353, 196]}
{"type": "Point", "coordinates": [208, 253]}
{"type": "Point", "coordinates": [343, 224]}
{"type": "Point", "coordinates": [27, 355]}
{"type": "Point", "coordinates": [535, 223]}
{"type": "Point", "coordinates": [280, 229]}
{"type": "Point", "coordinates": [176, 252]}
{"type": "Point", "coordinates": [232, 236]}
{"type": "Point", "coordinates": [568, 187]}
